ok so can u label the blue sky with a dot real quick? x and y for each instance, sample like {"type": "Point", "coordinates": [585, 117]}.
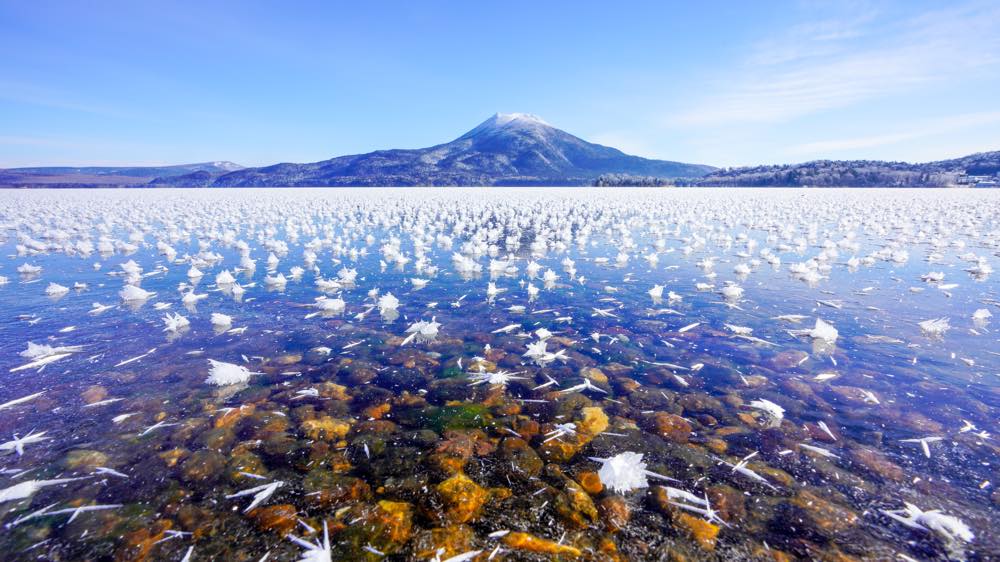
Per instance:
{"type": "Point", "coordinates": [723, 83]}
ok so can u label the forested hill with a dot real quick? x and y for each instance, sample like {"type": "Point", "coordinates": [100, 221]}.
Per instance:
{"type": "Point", "coordinates": [855, 173]}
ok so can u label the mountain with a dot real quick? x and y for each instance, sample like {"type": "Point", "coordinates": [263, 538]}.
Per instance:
{"type": "Point", "coordinates": [517, 149]}
{"type": "Point", "coordinates": [855, 173]}
{"type": "Point", "coordinates": [506, 149]}
{"type": "Point", "coordinates": [118, 176]}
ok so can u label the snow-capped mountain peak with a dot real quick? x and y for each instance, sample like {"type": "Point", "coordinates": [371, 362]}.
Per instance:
{"type": "Point", "coordinates": [508, 122]}
{"type": "Point", "coordinates": [501, 119]}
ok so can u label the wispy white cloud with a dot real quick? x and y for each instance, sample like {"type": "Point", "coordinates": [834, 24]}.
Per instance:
{"type": "Point", "coordinates": [836, 63]}
{"type": "Point", "coordinates": [929, 128]}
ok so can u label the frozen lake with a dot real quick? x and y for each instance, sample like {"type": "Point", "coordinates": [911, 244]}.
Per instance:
{"type": "Point", "coordinates": [432, 372]}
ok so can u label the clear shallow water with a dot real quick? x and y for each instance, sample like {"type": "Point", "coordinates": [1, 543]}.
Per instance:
{"type": "Point", "coordinates": [394, 448]}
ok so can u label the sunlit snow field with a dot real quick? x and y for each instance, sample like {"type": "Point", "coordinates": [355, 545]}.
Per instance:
{"type": "Point", "coordinates": [803, 364]}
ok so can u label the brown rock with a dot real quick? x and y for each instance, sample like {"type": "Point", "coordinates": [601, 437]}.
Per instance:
{"type": "Point", "coordinates": [672, 427]}
{"type": "Point", "coordinates": [821, 515]}
{"type": "Point", "coordinates": [574, 505]}
{"type": "Point", "coordinates": [203, 466]}
{"type": "Point", "coordinates": [876, 463]}
{"type": "Point", "coordinates": [614, 512]}
{"type": "Point", "coordinates": [850, 394]}
{"type": "Point", "coordinates": [699, 402]}
{"type": "Point", "coordinates": [173, 456]}
{"type": "Point", "coordinates": [594, 374]}
{"type": "Point", "coordinates": [85, 459]}
{"type": "Point", "coordinates": [728, 501]}
{"type": "Point", "coordinates": [218, 438]}
{"type": "Point", "coordinates": [786, 360]}
{"type": "Point", "coordinates": [94, 394]}
{"type": "Point", "coordinates": [523, 459]}
{"type": "Point", "coordinates": [326, 488]}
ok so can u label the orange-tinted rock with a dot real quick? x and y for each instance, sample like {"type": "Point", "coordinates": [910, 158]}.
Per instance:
{"type": "Point", "coordinates": [173, 456]}
{"type": "Point", "coordinates": [281, 519]}
{"type": "Point", "coordinates": [590, 482]}
{"type": "Point", "coordinates": [378, 411]}
{"type": "Point", "coordinates": [374, 426]}
{"type": "Point", "coordinates": [717, 446]}
{"type": "Point", "coordinates": [559, 450]}
{"type": "Point", "coordinates": [463, 499]}
{"type": "Point", "coordinates": [137, 545]}
{"type": "Point", "coordinates": [325, 428]}
{"type": "Point", "coordinates": [229, 418]}
{"type": "Point", "coordinates": [453, 540]}
{"type": "Point", "coordinates": [394, 522]}
{"type": "Point", "coordinates": [334, 391]}
{"type": "Point", "coordinates": [531, 543]}
{"type": "Point", "coordinates": [592, 421]}
{"type": "Point", "coordinates": [526, 427]}
{"type": "Point", "coordinates": [703, 532]}
{"type": "Point", "coordinates": [446, 463]}
{"type": "Point", "coordinates": [575, 506]}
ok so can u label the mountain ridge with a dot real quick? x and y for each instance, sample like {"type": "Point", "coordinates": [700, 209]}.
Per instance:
{"type": "Point", "coordinates": [505, 149]}
{"type": "Point", "coordinates": [510, 149]}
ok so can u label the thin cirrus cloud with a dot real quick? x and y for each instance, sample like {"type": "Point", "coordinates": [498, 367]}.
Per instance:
{"type": "Point", "coordinates": [929, 128]}
{"type": "Point", "coordinates": [834, 64]}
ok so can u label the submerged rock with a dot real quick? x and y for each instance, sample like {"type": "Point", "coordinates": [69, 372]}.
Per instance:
{"type": "Point", "coordinates": [524, 461]}
{"type": "Point", "coordinates": [451, 541]}
{"type": "Point", "coordinates": [815, 516]}
{"type": "Point", "coordinates": [203, 466]}
{"type": "Point", "coordinates": [463, 499]}
{"type": "Point", "coordinates": [530, 543]}
{"type": "Point", "coordinates": [280, 519]}
{"type": "Point", "coordinates": [84, 459]}
{"type": "Point", "coordinates": [325, 428]}
{"type": "Point", "coordinates": [615, 513]}
{"type": "Point", "coordinates": [699, 530]}
{"type": "Point", "coordinates": [671, 427]}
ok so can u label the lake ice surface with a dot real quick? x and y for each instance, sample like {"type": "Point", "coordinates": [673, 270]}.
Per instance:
{"type": "Point", "coordinates": [433, 372]}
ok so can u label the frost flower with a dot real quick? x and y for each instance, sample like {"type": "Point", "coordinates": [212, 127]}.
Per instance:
{"type": "Point", "coordinates": [224, 374]}
{"type": "Point", "coordinates": [624, 472]}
